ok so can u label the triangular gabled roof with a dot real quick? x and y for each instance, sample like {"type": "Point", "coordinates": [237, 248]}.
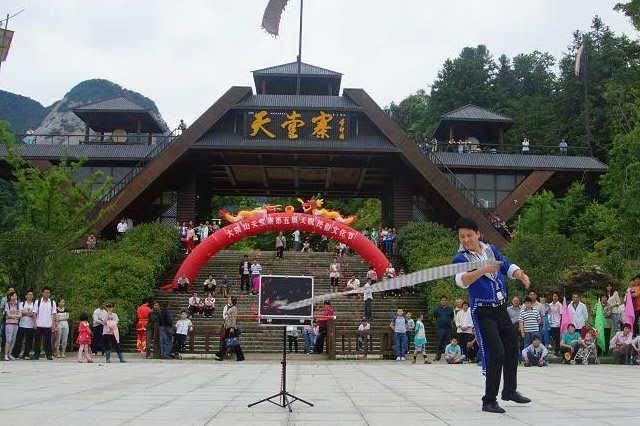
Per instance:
{"type": "Point", "coordinates": [119, 103]}
{"type": "Point", "coordinates": [291, 68]}
{"type": "Point", "coordinates": [470, 112]}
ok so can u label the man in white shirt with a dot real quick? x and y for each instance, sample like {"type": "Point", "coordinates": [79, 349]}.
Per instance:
{"type": "Point", "coordinates": [578, 313]}
{"type": "Point", "coordinates": [122, 226]}
{"type": "Point", "coordinates": [367, 295]}
{"type": "Point", "coordinates": [25, 327]}
{"type": "Point", "coordinates": [45, 310]}
{"type": "Point", "coordinates": [555, 318]}
{"type": "Point", "coordinates": [99, 314]}
{"type": "Point", "coordinates": [464, 327]}
{"type": "Point", "coordinates": [296, 240]}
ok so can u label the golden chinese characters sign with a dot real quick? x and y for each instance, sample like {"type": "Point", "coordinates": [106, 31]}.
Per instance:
{"type": "Point", "coordinates": [296, 125]}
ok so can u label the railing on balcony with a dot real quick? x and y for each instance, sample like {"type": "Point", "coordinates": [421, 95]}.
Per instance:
{"type": "Point", "coordinates": [484, 148]}
{"type": "Point", "coordinates": [468, 194]}
{"type": "Point", "coordinates": [119, 186]}
{"type": "Point", "coordinates": [73, 139]}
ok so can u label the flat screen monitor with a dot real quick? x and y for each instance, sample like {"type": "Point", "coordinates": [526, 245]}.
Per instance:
{"type": "Point", "coordinates": [278, 290]}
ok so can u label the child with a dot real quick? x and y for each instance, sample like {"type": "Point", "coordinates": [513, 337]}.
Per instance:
{"type": "Point", "coordinates": [420, 341]}
{"type": "Point", "coordinates": [111, 334]}
{"type": "Point", "coordinates": [535, 354]}
{"type": "Point", "coordinates": [363, 330]}
{"type": "Point", "coordinates": [589, 342]}
{"type": "Point", "coordinates": [209, 305]}
{"type": "Point", "coordinates": [529, 322]}
{"type": "Point", "coordinates": [84, 338]}
{"type": "Point", "coordinates": [309, 338]}
{"type": "Point", "coordinates": [452, 353]}
{"type": "Point", "coordinates": [411, 325]}
{"type": "Point", "coordinates": [224, 286]}
{"type": "Point", "coordinates": [183, 327]}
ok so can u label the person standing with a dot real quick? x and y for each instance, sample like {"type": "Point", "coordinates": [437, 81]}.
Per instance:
{"type": "Point", "coordinates": [281, 243]}
{"type": "Point", "coordinates": [334, 274]}
{"type": "Point", "coordinates": [525, 146]}
{"type": "Point", "coordinates": [578, 314]}
{"type": "Point", "coordinates": [45, 310]}
{"type": "Point", "coordinates": [151, 337]}
{"type": "Point", "coordinates": [367, 295]}
{"type": "Point", "coordinates": [11, 317]}
{"type": "Point", "coordinates": [399, 326]}
{"type": "Point", "coordinates": [296, 240]}
{"type": "Point", "coordinates": [62, 329]}
{"type": "Point", "coordinates": [322, 328]}
{"type": "Point", "coordinates": [84, 338]}
{"type": "Point", "coordinates": [230, 332]}
{"type": "Point", "coordinates": [142, 313]}
{"type": "Point", "coordinates": [444, 317]}
{"type": "Point", "coordinates": [614, 301]}
{"type": "Point", "coordinates": [98, 315]}
{"type": "Point", "coordinates": [635, 293]}
{"type": "Point", "coordinates": [122, 226]}
{"type": "Point", "coordinates": [514, 315]}
{"type": "Point", "coordinates": [464, 328]}
{"type": "Point", "coordinates": [529, 322]}
{"type": "Point", "coordinates": [165, 323]}
{"type": "Point", "coordinates": [494, 329]}
{"type": "Point", "coordinates": [25, 327]}
{"type": "Point", "coordinates": [555, 319]}
{"type": "Point", "coordinates": [244, 270]}
{"type": "Point", "coordinates": [110, 334]}
{"type": "Point", "coordinates": [256, 270]}
{"type": "Point", "coordinates": [292, 337]}
{"type": "Point", "coordinates": [564, 147]}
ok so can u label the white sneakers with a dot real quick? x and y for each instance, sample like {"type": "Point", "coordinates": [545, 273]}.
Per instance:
{"type": "Point", "coordinates": [400, 359]}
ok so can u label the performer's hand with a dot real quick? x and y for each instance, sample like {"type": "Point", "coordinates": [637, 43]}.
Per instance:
{"type": "Point", "coordinates": [491, 269]}
{"type": "Point", "coordinates": [524, 278]}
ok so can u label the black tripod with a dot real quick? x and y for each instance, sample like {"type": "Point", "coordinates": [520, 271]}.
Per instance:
{"type": "Point", "coordinates": [285, 399]}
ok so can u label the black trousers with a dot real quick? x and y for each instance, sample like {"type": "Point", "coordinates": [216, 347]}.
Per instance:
{"type": "Point", "coordinates": [322, 334]}
{"type": "Point", "coordinates": [463, 339]}
{"type": "Point", "coordinates": [293, 341]}
{"type": "Point", "coordinates": [237, 349]}
{"type": "Point", "coordinates": [502, 351]}
{"type": "Point", "coordinates": [555, 336]}
{"type": "Point", "coordinates": [97, 344]}
{"type": "Point", "coordinates": [42, 333]}
{"type": "Point", "coordinates": [245, 280]}
{"type": "Point", "coordinates": [444, 336]}
{"type": "Point", "coordinates": [25, 334]}
{"type": "Point", "coordinates": [279, 251]}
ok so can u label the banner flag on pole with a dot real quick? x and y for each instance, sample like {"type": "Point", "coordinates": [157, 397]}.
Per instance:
{"type": "Point", "coordinates": [5, 43]}
{"type": "Point", "coordinates": [599, 326]}
{"type": "Point", "coordinates": [629, 315]}
{"type": "Point", "coordinates": [566, 320]}
{"type": "Point", "coordinates": [272, 15]}
{"type": "Point", "coordinates": [579, 59]}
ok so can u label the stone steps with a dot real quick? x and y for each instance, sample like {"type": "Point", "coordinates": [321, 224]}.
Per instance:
{"type": "Point", "coordinates": [256, 338]}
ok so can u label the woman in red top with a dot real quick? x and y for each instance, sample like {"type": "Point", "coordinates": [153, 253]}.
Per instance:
{"type": "Point", "coordinates": [322, 327]}
{"type": "Point", "coordinates": [141, 326]}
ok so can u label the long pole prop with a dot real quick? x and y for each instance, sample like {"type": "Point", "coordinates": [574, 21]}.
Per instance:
{"type": "Point", "coordinates": [587, 114]}
{"type": "Point", "coordinates": [4, 33]}
{"type": "Point", "coordinates": [299, 50]}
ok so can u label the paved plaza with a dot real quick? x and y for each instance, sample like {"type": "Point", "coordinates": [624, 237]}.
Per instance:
{"type": "Point", "coordinates": [194, 392]}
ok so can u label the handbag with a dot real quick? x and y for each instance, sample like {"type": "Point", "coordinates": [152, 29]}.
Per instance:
{"type": "Point", "coordinates": [231, 342]}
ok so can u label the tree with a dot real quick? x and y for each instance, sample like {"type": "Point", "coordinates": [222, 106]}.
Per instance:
{"type": "Point", "coordinates": [632, 10]}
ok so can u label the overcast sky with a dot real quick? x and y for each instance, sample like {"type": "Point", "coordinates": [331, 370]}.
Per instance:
{"type": "Point", "coordinates": [185, 54]}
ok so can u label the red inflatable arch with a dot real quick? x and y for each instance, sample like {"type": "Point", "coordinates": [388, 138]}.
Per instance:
{"type": "Point", "coordinates": [279, 222]}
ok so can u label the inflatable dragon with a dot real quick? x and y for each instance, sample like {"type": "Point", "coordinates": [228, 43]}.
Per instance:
{"type": "Point", "coordinates": [243, 214]}
{"type": "Point", "coordinates": [314, 207]}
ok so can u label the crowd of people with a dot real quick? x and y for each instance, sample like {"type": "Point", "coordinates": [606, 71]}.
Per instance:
{"type": "Point", "coordinates": [28, 325]}
{"type": "Point", "coordinates": [472, 145]}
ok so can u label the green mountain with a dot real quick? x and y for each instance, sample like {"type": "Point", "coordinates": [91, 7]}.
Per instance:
{"type": "Point", "coordinates": [24, 113]}
{"type": "Point", "coordinates": [21, 112]}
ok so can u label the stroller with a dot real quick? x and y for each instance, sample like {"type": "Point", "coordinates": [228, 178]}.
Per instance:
{"type": "Point", "coordinates": [584, 354]}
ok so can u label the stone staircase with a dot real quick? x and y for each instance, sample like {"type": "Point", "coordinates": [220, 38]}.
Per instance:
{"type": "Point", "coordinates": [266, 339]}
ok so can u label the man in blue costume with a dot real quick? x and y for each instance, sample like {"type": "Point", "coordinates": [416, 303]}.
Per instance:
{"type": "Point", "coordinates": [488, 295]}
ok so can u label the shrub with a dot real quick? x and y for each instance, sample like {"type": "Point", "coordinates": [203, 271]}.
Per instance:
{"type": "Point", "coordinates": [123, 273]}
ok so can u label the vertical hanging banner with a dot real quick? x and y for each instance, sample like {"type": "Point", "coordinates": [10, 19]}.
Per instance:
{"type": "Point", "coordinates": [5, 43]}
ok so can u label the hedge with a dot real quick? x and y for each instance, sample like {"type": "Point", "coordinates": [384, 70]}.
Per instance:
{"type": "Point", "coordinates": [123, 273]}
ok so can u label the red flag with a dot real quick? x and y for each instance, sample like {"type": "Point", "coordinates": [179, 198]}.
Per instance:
{"type": "Point", "coordinates": [579, 58]}
{"type": "Point", "coordinates": [272, 15]}
{"type": "Point", "coordinates": [564, 323]}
